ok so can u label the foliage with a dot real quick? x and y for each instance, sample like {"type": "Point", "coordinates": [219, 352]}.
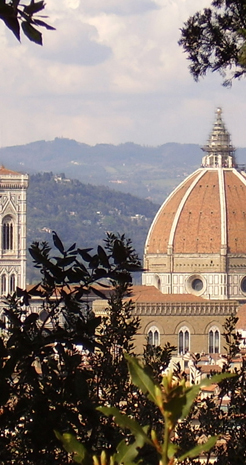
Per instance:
{"type": "Point", "coordinates": [110, 384]}
{"type": "Point", "coordinates": [17, 15]}
{"type": "Point", "coordinates": [211, 416]}
{"type": "Point", "coordinates": [158, 358]}
{"type": "Point", "coordinates": [44, 376]}
{"type": "Point", "coordinates": [214, 39]}
{"type": "Point", "coordinates": [174, 401]}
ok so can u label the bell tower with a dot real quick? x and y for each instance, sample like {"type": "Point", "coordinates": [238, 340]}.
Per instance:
{"type": "Point", "coordinates": [13, 188]}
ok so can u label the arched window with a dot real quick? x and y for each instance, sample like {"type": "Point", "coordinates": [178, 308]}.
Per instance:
{"type": "Point", "coordinates": [213, 340]}
{"type": "Point", "coordinates": [157, 282]}
{"type": "Point", "coordinates": [184, 340]}
{"type": "Point", "coordinates": [7, 233]}
{"type": "Point", "coordinates": [153, 336]}
{"type": "Point", "coordinates": [12, 284]}
{"type": "Point", "coordinates": [3, 284]}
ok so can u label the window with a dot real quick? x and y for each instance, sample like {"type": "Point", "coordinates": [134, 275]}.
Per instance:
{"type": "Point", "coordinates": [184, 340]}
{"type": "Point", "coordinates": [153, 336]}
{"type": "Point", "coordinates": [157, 282]}
{"type": "Point", "coordinates": [12, 283]}
{"type": "Point", "coordinates": [3, 284]}
{"type": "Point", "coordinates": [213, 341]}
{"type": "Point", "coordinates": [197, 284]}
{"type": "Point", "coordinates": [7, 233]}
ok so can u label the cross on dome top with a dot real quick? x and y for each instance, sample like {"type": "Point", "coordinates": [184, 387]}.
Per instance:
{"type": "Point", "coordinates": [220, 152]}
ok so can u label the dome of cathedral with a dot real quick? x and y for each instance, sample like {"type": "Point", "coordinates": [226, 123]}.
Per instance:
{"type": "Point", "coordinates": [197, 241]}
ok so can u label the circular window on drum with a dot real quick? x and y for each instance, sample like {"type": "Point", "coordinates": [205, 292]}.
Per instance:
{"type": "Point", "coordinates": [243, 285]}
{"type": "Point", "coordinates": [196, 285]}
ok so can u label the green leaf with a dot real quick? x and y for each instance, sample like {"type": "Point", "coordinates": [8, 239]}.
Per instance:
{"type": "Point", "coordinates": [57, 241]}
{"type": "Point", "coordinates": [98, 293]}
{"type": "Point", "coordinates": [216, 379]}
{"type": "Point", "coordinates": [72, 445]}
{"type": "Point", "coordinates": [10, 18]}
{"type": "Point", "coordinates": [172, 449]}
{"type": "Point", "coordinates": [188, 399]}
{"type": "Point", "coordinates": [142, 379]}
{"type": "Point", "coordinates": [126, 453]}
{"type": "Point", "coordinates": [197, 450]}
{"type": "Point", "coordinates": [85, 255]}
{"type": "Point", "coordinates": [178, 402]}
{"type": "Point", "coordinates": [34, 7]}
{"type": "Point", "coordinates": [72, 248]}
{"type": "Point", "coordinates": [192, 392]}
{"type": "Point", "coordinates": [41, 23]}
{"type": "Point", "coordinates": [119, 253]}
{"type": "Point", "coordinates": [103, 257]}
{"type": "Point", "coordinates": [126, 422]}
{"type": "Point", "coordinates": [32, 34]}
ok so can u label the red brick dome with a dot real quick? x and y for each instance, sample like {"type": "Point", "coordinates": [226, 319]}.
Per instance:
{"type": "Point", "coordinates": [200, 230]}
{"type": "Point", "coordinates": [205, 213]}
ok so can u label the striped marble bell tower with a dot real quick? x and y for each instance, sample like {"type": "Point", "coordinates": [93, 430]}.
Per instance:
{"type": "Point", "coordinates": [13, 188]}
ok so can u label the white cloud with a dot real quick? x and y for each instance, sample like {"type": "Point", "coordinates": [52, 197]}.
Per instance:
{"type": "Point", "coordinates": [75, 42]}
{"type": "Point", "coordinates": [115, 7]}
{"type": "Point", "coordinates": [111, 72]}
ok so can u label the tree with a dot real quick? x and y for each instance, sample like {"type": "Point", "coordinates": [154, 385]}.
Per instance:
{"type": "Point", "coordinates": [44, 377]}
{"type": "Point", "coordinates": [17, 16]}
{"type": "Point", "coordinates": [110, 384]}
{"type": "Point", "coordinates": [215, 40]}
{"type": "Point", "coordinates": [173, 399]}
{"type": "Point", "coordinates": [210, 417]}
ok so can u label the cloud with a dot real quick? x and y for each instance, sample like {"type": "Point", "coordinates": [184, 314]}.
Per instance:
{"type": "Point", "coordinates": [115, 7]}
{"type": "Point", "coordinates": [111, 72]}
{"type": "Point", "coordinates": [75, 42]}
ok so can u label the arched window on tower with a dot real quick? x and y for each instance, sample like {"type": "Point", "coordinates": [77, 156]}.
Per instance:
{"type": "Point", "coordinates": [153, 336]}
{"type": "Point", "coordinates": [7, 234]}
{"type": "Point", "coordinates": [184, 340]}
{"type": "Point", "coordinates": [3, 284]}
{"type": "Point", "coordinates": [12, 284]}
{"type": "Point", "coordinates": [213, 340]}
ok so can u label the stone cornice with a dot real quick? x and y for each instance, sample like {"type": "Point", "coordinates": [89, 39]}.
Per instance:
{"type": "Point", "coordinates": [210, 308]}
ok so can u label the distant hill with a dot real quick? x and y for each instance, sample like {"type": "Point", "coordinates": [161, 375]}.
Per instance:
{"type": "Point", "coordinates": [83, 213]}
{"type": "Point", "coordinates": [148, 172]}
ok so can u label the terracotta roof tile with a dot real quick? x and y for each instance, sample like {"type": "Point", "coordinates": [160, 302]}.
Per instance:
{"type": "Point", "coordinates": [241, 314]}
{"type": "Point", "coordinates": [152, 294]}
{"type": "Point", "coordinates": [198, 229]}
{"type": "Point", "coordinates": [4, 171]}
{"type": "Point", "coordinates": [209, 368]}
{"type": "Point", "coordinates": [235, 191]}
{"type": "Point", "coordinates": [210, 388]}
{"type": "Point", "coordinates": [161, 227]}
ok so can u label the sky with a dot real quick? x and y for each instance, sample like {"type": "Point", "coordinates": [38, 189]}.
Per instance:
{"type": "Point", "coordinates": [112, 72]}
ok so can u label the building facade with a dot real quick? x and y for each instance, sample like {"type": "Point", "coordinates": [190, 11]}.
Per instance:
{"type": "Point", "coordinates": [195, 255]}
{"type": "Point", "coordinates": [13, 188]}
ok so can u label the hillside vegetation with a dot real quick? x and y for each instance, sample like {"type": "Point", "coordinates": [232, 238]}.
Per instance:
{"type": "Point", "coordinates": [83, 213]}
{"type": "Point", "coordinates": [148, 172]}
